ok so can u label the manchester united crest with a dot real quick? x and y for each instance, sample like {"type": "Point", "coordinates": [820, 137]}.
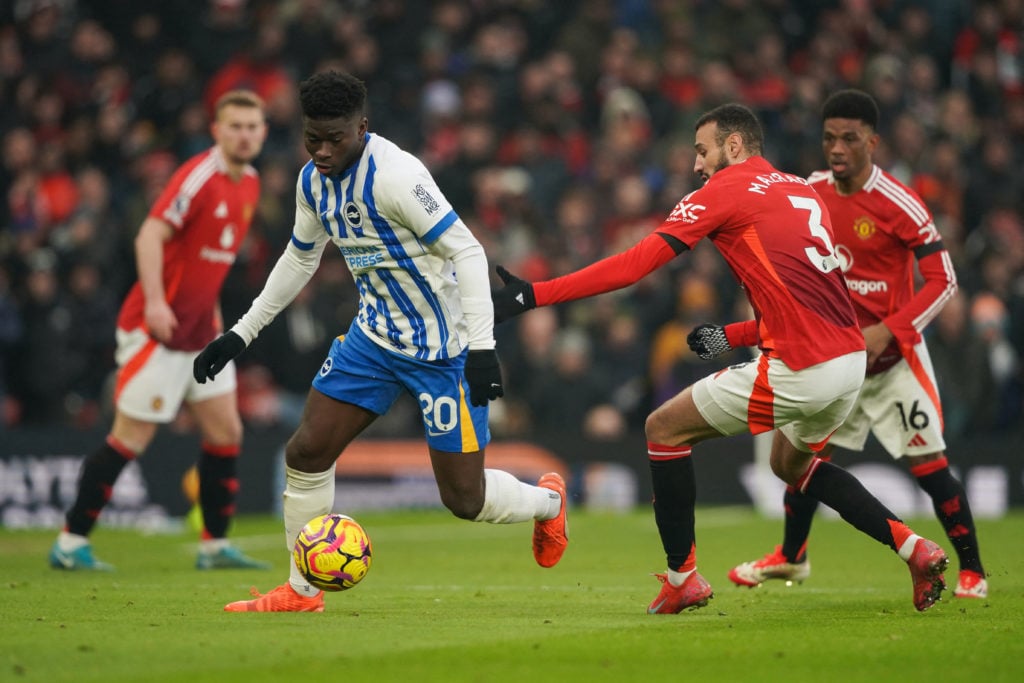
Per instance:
{"type": "Point", "coordinates": [864, 227]}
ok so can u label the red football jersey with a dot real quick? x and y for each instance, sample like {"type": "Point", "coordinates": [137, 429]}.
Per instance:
{"type": "Point", "coordinates": [210, 213]}
{"type": "Point", "coordinates": [774, 232]}
{"type": "Point", "coordinates": [879, 231]}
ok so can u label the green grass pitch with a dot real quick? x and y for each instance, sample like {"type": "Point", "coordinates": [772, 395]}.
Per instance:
{"type": "Point", "coordinates": [452, 601]}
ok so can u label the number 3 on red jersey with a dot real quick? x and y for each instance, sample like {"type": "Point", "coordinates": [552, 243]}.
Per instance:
{"type": "Point", "coordinates": [828, 262]}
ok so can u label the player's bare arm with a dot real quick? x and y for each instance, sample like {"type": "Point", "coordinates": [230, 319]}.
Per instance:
{"type": "Point", "coordinates": [149, 254]}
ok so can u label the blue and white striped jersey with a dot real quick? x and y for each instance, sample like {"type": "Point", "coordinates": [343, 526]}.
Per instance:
{"type": "Point", "coordinates": [386, 215]}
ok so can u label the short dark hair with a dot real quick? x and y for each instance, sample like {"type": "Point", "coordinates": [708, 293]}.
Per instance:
{"type": "Point", "coordinates": [851, 104]}
{"type": "Point", "coordinates": [735, 118]}
{"type": "Point", "coordinates": [332, 95]}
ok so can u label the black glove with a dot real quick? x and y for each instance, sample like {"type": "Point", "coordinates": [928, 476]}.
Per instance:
{"type": "Point", "coordinates": [483, 373]}
{"type": "Point", "coordinates": [514, 298]}
{"type": "Point", "coordinates": [708, 341]}
{"type": "Point", "coordinates": [216, 355]}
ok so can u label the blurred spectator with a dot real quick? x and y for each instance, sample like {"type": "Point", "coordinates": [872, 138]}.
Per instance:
{"type": "Point", "coordinates": [994, 180]}
{"type": "Point", "coordinates": [45, 366]}
{"type": "Point", "coordinates": [257, 67]}
{"type": "Point", "coordinates": [672, 365]}
{"type": "Point", "coordinates": [307, 31]}
{"type": "Point", "coordinates": [632, 215]}
{"type": "Point", "coordinates": [962, 369]}
{"type": "Point", "coordinates": [561, 400]}
{"type": "Point", "coordinates": [92, 310]}
{"type": "Point", "coordinates": [10, 334]}
{"type": "Point", "coordinates": [623, 351]}
{"type": "Point", "coordinates": [222, 33]}
{"type": "Point", "coordinates": [161, 95]}
{"type": "Point", "coordinates": [990, 322]}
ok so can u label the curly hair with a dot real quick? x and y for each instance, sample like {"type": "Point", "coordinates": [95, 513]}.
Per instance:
{"type": "Point", "coordinates": [332, 95]}
{"type": "Point", "coordinates": [851, 104]}
{"type": "Point", "coordinates": [735, 118]}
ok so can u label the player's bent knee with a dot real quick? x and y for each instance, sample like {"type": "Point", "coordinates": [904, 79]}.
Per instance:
{"type": "Point", "coordinates": [789, 469]}
{"type": "Point", "coordinates": [307, 456]}
{"type": "Point", "coordinates": [657, 429]}
{"type": "Point", "coordinates": [785, 474]}
{"type": "Point", "coordinates": [464, 509]}
{"type": "Point", "coordinates": [462, 504]}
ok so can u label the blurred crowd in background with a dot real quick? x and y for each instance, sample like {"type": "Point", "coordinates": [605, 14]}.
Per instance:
{"type": "Point", "coordinates": [560, 131]}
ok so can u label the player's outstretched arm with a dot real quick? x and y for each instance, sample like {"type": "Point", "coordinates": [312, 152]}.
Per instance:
{"type": "Point", "coordinates": [216, 355]}
{"type": "Point", "coordinates": [606, 275]}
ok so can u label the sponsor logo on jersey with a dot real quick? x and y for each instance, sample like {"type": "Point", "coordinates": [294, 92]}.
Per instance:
{"type": "Point", "coordinates": [425, 198]}
{"type": "Point", "coordinates": [687, 212]}
{"type": "Point", "coordinates": [157, 403]}
{"type": "Point", "coordinates": [221, 211]}
{"type": "Point", "coordinates": [359, 257]}
{"type": "Point", "coordinates": [227, 236]}
{"type": "Point", "coordinates": [217, 255]}
{"type": "Point", "coordinates": [865, 287]}
{"type": "Point", "coordinates": [845, 257]}
{"type": "Point", "coordinates": [226, 242]}
{"type": "Point", "coordinates": [353, 216]}
{"type": "Point", "coordinates": [326, 367]}
{"type": "Point", "coordinates": [864, 227]}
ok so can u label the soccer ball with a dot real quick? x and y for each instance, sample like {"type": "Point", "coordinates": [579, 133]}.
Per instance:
{"type": "Point", "coordinates": [333, 552]}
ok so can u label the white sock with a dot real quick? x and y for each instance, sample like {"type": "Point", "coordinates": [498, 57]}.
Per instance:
{"type": "Point", "coordinates": [211, 546]}
{"type": "Point", "coordinates": [907, 549]}
{"type": "Point", "coordinates": [69, 543]}
{"type": "Point", "coordinates": [305, 496]}
{"type": "Point", "coordinates": [508, 500]}
{"type": "Point", "coordinates": [677, 578]}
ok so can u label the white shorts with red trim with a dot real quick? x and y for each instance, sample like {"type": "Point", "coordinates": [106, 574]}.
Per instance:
{"type": "Point", "coordinates": [901, 406]}
{"type": "Point", "coordinates": [806, 405]}
{"type": "Point", "coordinates": [153, 380]}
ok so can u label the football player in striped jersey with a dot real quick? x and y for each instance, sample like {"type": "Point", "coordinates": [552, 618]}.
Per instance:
{"type": "Point", "coordinates": [425, 326]}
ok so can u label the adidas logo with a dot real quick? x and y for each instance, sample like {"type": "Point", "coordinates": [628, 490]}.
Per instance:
{"type": "Point", "coordinates": [520, 299]}
{"type": "Point", "coordinates": [917, 441]}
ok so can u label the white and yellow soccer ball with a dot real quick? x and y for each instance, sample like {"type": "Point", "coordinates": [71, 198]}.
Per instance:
{"type": "Point", "coordinates": [333, 552]}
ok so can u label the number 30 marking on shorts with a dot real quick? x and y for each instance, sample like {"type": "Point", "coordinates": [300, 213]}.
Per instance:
{"type": "Point", "coordinates": [825, 263]}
